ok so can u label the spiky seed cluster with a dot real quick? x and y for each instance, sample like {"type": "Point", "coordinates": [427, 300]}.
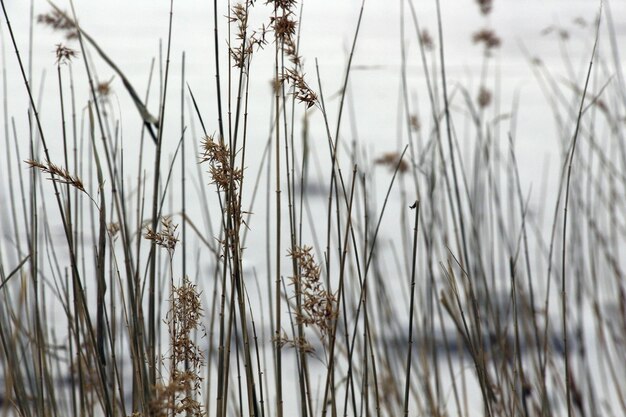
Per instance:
{"type": "Point", "coordinates": [304, 93]}
{"type": "Point", "coordinates": [64, 55]}
{"type": "Point", "coordinates": [239, 15]}
{"type": "Point", "coordinates": [167, 238]}
{"type": "Point", "coordinates": [284, 27]}
{"type": "Point", "coordinates": [57, 173]}
{"type": "Point", "coordinates": [318, 307]}
{"type": "Point", "coordinates": [59, 21]}
{"type": "Point", "coordinates": [217, 155]}
{"type": "Point", "coordinates": [247, 42]}
{"type": "Point", "coordinates": [392, 160]}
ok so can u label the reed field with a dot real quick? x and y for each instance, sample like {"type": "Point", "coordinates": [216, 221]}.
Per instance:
{"type": "Point", "coordinates": [231, 232]}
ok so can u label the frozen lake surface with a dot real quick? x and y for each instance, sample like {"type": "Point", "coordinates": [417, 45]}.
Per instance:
{"type": "Point", "coordinates": [557, 34]}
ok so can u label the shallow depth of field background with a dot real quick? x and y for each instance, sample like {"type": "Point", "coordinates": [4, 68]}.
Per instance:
{"type": "Point", "coordinates": [557, 33]}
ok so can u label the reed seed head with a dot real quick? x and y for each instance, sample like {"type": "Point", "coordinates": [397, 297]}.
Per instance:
{"type": "Point", "coordinates": [414, 122]}
{"type": "Point", "coordinates": [484, 97]}
{"type": "Point", "coordinates": [217, 155]}
{"type": "Point", "coordinates": [485, 6]}
{"type": "Point", "coordinates": [167, 238]}
{"type": "Point", "coordinates": [318, 306]}
{"type": "Point", "coordinates": [392, 160]}
{"type": "Point", "coordinates": [426, 40]}
{"type": "Point", "coordinates": [64, 55]}
{"type": "Point", "coordinates": [57, 174]}
{"type": "Point", "coordinates": [302, 91]}
{"type": "Point", "coordinates": [488, 38]}
{"type": "Point", "coordinates": [59, 21]}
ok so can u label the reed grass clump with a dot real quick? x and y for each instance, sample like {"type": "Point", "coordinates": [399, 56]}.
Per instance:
{"type": "Point", "coordinates": [179, 394]}
{"type": "Point", "coordinates": [271, 268]}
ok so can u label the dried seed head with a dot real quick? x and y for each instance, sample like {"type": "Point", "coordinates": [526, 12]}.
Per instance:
{"type": "Point", "coordinates": [485, 6]}
{"type": "Point", "coordinates": [113, 228]}
{"type": "Point", "coordinates": [284, 27]}
{"type": "Point", "coordinates": [217, 155]}
{"type": "Point", "coordinates": [104, 88]}
{"type": "Point", "coordinates": [392, 160]}
{"type": "Point", "coordinates": [178, 394]}
{"type": "Point", "coordinates": [57, 173]}
{"type": "Point", "coordinates": [64, 54]}
{"type": "Point", "coordinates": [318, 306]}
{"type": "Point", "coordinates": [302, 91]}
{"type": "Point", "coordinates": [284, 5]}
{"type": "Point", "coordinates": [487, 37]}
{"type": "Point", "coordinates": [59, 21]}
{"type": "Point", "coordinates": [426, 40]}
{"type": "Point", "coordinates": [484, 97]}
{"type": "Point", "coordinates": [167, 238]}
{"type": "Point", "coordinates": [414, 121]}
